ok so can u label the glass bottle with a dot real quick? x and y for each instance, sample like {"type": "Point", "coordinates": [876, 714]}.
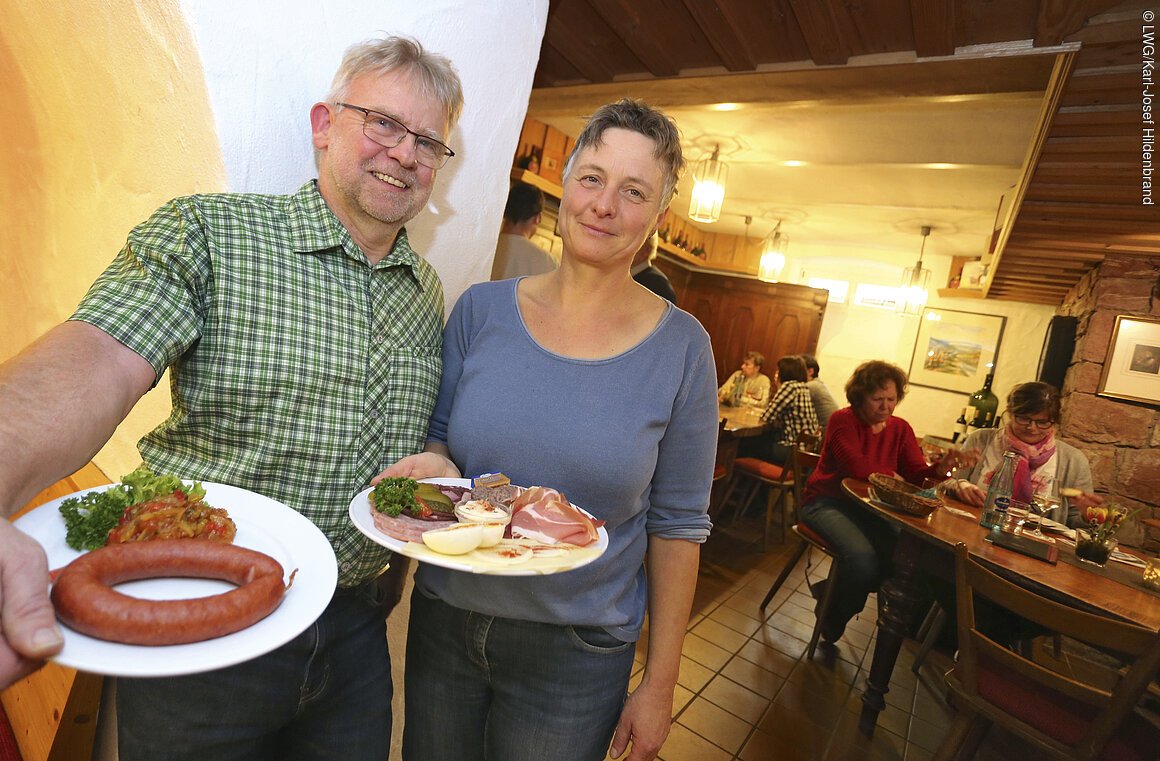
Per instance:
{"type": "Point", "coordinates": [960, 426]}
{"type": "Point", "coordinates": [738, 391]}
{"type": "Point", "coordinates": [999, 493]}
{"type": "Point", "coordinates": [984, 401]}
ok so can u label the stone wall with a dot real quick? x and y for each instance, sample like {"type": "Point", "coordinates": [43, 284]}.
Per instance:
{"type": "Point", "coordinates": [1121, 439]}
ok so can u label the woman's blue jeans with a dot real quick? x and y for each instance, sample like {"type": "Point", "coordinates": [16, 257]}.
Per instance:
{"type": "Point", "coordinates": [324, 695]}
{"type": "Point", "coordinates": [865, 545]}
{"type": "Point", "coordinates": [481, 687]}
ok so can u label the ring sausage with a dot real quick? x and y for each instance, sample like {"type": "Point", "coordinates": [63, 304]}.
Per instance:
{"type": "Point", "coordinates": [85, 600]}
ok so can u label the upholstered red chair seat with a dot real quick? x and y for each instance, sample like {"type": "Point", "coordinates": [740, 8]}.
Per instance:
{"type": "Point", "coordinates": [760, 468]}
{"type": "Point", "coordinates": [718, 472]}
{"type": "Point", "coordinates": [1061, 717]}
{"type": "Point", "coordinates": [809, 535]}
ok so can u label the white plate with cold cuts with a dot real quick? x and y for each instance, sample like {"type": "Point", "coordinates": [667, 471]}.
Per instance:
{"type": "Point", "coordinates": [264, 525]}
{"type": "Point", "coordinates": [511, 557]}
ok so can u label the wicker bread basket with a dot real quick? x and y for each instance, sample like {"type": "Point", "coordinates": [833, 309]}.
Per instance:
{"type": "Point", "coordinates": [902, 496]}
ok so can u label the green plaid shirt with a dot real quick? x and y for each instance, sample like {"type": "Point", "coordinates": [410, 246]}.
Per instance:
{"type": "Point", "coordinates": [299, 370]}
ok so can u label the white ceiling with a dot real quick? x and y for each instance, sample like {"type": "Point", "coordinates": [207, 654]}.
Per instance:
{"type": "Point", "coordinates": [884, 150]}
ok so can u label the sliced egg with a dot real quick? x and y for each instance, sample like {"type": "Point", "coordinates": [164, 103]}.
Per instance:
{"type": "Point", "coordinates": [492, 533]}
{"type": "Point", "coordinates": [457, 539]}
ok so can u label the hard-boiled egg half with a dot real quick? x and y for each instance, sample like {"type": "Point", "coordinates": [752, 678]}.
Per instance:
{"type": "Point", "coordinates": [456, 539]}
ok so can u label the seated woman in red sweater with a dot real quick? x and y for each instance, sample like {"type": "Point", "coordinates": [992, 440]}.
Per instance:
{"type": "Point", "coordinates": [861, 439]}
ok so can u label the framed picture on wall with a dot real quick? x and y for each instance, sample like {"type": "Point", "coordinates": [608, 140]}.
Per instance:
{"type": "Point", "coordinates": [1132, 366]}
{"type": "Point", "coordinates": [954, 351]}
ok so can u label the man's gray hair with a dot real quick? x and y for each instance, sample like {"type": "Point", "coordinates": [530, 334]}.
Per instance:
{"type": "Point", "coordinates": [637, 116]}
{"type": "Point", "coordinates": [436, 74]}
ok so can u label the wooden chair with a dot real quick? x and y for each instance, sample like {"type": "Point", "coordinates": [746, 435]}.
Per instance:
{"type": "Point", "coordinates": [804, 464]}
{"type": "Point", "coordinates": [779, 480]}
{"type": "Point", "coordinates": [1069, 717]}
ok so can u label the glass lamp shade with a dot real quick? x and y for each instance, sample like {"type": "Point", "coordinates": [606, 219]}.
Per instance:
{"type": "Point", "coordinates": [709, 176]}
{"type": "Point", "coordinates": [772, 257]}
{"type": "Point", "coordinates": [914, 289]}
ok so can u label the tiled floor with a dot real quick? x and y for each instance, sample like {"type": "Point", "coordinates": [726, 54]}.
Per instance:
{"type": "Point", "coordinates": [747, 692]}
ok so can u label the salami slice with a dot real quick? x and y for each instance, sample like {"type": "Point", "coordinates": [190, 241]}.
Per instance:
{"type": "Point", "coordinates": [405, 528]}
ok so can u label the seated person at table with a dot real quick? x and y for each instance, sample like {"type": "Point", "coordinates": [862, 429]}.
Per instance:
{"type": "Point", "coordinates": [747, 387]}
{"type": "Point", "coordinates": [861, 439]}
{"type": "Point", "coordinates": [1032, 411]}
{"type": "Point", "coordinates": [824, 404]}
{"type": "Point", "coordinates": [790, 413]}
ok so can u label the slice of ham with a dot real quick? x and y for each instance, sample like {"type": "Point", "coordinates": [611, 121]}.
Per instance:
{"type": "Point", "coordinates": [545, 515]}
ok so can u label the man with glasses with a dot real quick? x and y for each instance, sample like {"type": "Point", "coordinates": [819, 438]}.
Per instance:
{"type": "Point", "coordinates": [304, 338]}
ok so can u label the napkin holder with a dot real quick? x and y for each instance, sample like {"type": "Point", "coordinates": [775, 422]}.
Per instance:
{"type": "Point", "coordinates": [1024, 545]}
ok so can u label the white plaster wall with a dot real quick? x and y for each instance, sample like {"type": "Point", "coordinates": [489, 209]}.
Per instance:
{"type": "Point", "coordinates": [268, 61]}
{"type": "Point", "coordinates": [852, 334]}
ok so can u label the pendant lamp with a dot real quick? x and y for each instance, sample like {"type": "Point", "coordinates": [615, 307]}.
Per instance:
{"type": "Point", "coordinates": [773, 250]}
{"type": "Point", "coordinates": [913, 290]}
{"type": "Point", "coordinates": [708, 188]}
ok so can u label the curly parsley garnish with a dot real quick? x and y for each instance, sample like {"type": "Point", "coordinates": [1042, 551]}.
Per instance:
{"type": "Point", "coordinates": [393, 495]}
{"type": "Point", "coordinates": [89, 519]}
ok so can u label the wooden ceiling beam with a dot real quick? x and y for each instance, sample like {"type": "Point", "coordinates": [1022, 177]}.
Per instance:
{"type": "Point", "coordinates": [722, 36]}
{"type": "Point", "coordinates": [574, 35]}
{"type": "Point", "coordinates": [933, 25]}
{"type": "Point", "coordinates": [821, 31]}
{"type": "Point", "coordinates": [1059, 18]}
{"type": "Point", "coordinates": [624, 18]}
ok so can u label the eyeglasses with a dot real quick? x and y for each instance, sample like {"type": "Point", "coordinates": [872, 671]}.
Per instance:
{"type": "Point", "coordinates": [1027, 422]}
{"type": "Point", "coordinates": [389, 132]}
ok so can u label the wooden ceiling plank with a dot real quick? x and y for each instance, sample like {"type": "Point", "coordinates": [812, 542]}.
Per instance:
{"type": "Point", "coordinates": [624, 18]}
{"type": "Point", "coordinates": [819, 26]}
{"type": "Point", "coordinates": [1059, 18]}
{"type": "Point", "coordinates": [933, 25]}
{"type": "Point", "coordinates": [721, 35]}
{"type": "Point", "coordinates": [584, 41]}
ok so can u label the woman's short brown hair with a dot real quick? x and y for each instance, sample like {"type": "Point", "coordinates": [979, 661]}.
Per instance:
{"type": "Point", "coordinates": [791, 367]}
{"type": "Point", "coordinates": [871, 376]}
{"type": "Point", "coordinates": [756, 357]}
{"type": "Point", "coordinates": [1032, 398]}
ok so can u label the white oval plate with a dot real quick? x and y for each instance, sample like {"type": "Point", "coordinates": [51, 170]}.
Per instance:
{"type": "Point", "coordinates": [264, 525]}
{"type": "Point", "coordinates": [478, 561]}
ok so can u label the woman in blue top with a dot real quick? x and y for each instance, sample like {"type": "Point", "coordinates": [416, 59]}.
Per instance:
{"type": "Point", "coordinates": [582, 380]}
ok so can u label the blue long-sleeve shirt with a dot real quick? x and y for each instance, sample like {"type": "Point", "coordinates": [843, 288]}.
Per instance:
{"type": "Point", "coordinates": [631, 438]}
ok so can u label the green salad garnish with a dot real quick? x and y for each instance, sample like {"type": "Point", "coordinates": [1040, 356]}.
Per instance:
{"type": "Point", "coordinates": [393, 495]}
{"type": "Point", "coordinates": [89, 519]}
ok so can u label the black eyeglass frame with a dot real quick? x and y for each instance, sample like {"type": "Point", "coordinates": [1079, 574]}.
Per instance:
{"type": "Point", "coordinates": [1027, 422]}
{"type": "Point", "coordinates": [369, 113]}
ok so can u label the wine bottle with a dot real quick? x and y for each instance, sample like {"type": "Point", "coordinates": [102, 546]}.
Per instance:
{"type": "Point", "coordinates": [984, 404]}
{"type": "Point", "coordinates": [960, 426]}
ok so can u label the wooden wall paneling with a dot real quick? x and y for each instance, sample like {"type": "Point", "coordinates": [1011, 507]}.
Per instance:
{"type": "Point", "coordinates": [552, 162]}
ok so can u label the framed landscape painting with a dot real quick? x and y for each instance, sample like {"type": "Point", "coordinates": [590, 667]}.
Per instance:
{"type": "Point", "coordinates": [954, 351]}
{"type": "Point", "coordinates": [1132, 366]}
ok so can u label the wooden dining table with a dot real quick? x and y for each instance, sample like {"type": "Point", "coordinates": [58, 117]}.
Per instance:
{"type": "Point", "coordinates": [736, 423]}
{"type": "Point", "coordinates": [926, 546]}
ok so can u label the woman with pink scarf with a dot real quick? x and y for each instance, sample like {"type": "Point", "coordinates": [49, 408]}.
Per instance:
{"type": "Point", "coordinates": [1032, 411]}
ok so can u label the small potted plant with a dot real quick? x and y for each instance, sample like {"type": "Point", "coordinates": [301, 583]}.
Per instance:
{"type": "Point", "coordinates": [1095, 541]}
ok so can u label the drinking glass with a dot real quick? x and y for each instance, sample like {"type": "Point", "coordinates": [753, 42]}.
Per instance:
{"type": "Point", "coordinates": [1045, 501]}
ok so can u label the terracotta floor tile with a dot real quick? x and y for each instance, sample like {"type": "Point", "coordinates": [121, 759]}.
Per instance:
{"type": "Point", "coordinates": [693, 676]}
{"type": "Point", "coordinates": [823, 710]}
{"type": "Point", "coordinates": [927, 734]}
{"type": "Point", "coordinates": [779, 639]}
{"type": "Point", "coordinates": [705, 653]}
{"type": "Point", "coordinates": [683, 744]}
{"type": "Point", "coordinates": [768, 658]}
{"type": "Point", "coordinates": [740, 701]}
{"type": "Point", "coordinates": [754, 677]}
{"type": "Point", "coordinates": [681, 698]}
{"type": "Point", "coordinates": [715, 724]}
{"type": "Point", "coordinates": [766, 747]}
{"type": "Point", "coordinates": [739, 620]}
{"type": "Point", "coordinates": [721, 635]}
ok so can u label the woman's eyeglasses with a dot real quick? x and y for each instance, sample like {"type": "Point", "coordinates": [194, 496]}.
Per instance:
{"type": "Point", "coordinates": [1027, 422]}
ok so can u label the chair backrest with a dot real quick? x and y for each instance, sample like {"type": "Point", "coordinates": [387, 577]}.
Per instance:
{"type": "Point", "coordinates": [811, 441]}
{"type": "Point", "coordinates": [803, 464]}
{"type": "Point", "coordinates": [1081, 712]}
